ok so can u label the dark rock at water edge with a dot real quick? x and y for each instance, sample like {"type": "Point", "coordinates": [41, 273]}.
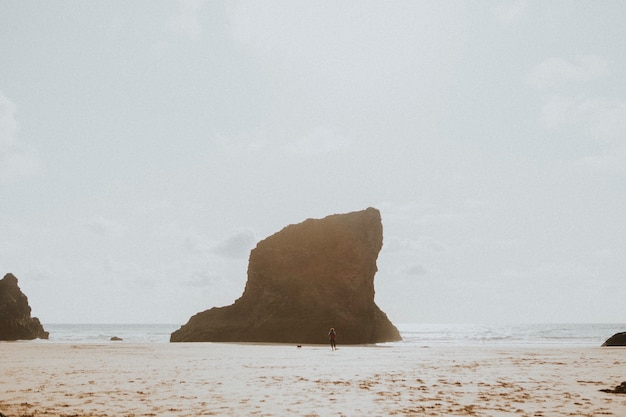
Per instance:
{"type": "Point", "coordinates": [15, 320]}
{"type": "Point", "coordinates": [302, 281]}
{"type": "Point", "coordinates": [618, 339]}
{"type": "Point", "coordinates": [620, 389]}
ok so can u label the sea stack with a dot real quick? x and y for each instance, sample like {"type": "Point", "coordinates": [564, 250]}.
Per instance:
{"type": "Point", "coordinates": [302, 281]}
{"type": "Point", "coordinates": [15, 320]}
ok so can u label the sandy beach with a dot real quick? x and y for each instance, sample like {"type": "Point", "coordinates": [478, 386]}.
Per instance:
{"type": "Point", "coordinates": [203, 379]}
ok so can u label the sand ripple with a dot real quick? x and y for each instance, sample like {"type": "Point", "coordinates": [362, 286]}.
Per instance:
{"type": "Point", "coordinates": [40, 379]}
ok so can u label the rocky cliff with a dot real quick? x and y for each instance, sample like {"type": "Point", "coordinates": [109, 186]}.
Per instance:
{"type": "Point", "coordinates": [301, 281]}
{"type": "Point", "coordinates": [15, 320]}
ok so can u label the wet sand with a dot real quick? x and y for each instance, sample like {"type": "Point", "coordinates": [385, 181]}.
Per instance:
{"type": "Point", "coordinates": [204, 379]}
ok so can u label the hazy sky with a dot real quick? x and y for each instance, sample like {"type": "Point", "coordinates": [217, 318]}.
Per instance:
{"type": "Point", "coordinates": [147, 146]}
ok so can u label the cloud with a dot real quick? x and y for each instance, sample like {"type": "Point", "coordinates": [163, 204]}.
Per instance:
{"type": "Point", "coordinates": [17, 160]}
{"type": "Point", "coordinates": [557, 111]}
{"type": "Point", "coordinates": [607, 121]}
{"type": "Point", "coordinates": [237, 144]}
{"type": "Point", "coordinates": [607, 162]}
{"type": "Point", "coordinates": [103, 227]}
{"type": "Point", "coordinates": [318, 141]}
{"type": "Point", "coordinates": [556, 71]}
{"type": "Point", "coordinates": [342, 59]}
{"type": "Point", "coordinates": [200, 279]}
{"type": "Point", "coordinates": [602, 120]}
{"type": "Point", "coordinates": [422, 245]}
{"type": "Point", "coordinates": [415, 270]}
{"type": "Point", "coordinates": [187, 23]}
{"type": "Point", "coordinates": [195, 244]}
{"type": "Point", "coordinates": [509, 12]}
{"type": "Point", "coordinates": [237, 246]}
{"type": "Point", "coordinates": [8, 123]}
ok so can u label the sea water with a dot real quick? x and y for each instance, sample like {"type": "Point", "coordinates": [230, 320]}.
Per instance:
{"type": "Point", "coordinates": [98, 333]}
{"type": "Point", "coordinates": [508, 334]}
{"type": "Point", "coordinates": [413, 334]}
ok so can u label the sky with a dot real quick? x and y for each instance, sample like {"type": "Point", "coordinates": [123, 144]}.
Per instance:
{"type": "Point", "coordinates": [147, 146]}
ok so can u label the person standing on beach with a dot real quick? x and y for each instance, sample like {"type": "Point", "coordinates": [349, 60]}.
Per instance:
{"type": "Point", "coordinates": [333, 337]}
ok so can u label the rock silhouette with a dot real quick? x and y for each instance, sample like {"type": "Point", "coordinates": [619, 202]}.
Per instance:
{"type": "Point", "coordinates": [302, 281]}
{"type": "Point", "coordinates": [620, 389]}
{"type": "Point", "coordinates": [618, 339]}
{"type": "Point", "coordinates": [15, 320]}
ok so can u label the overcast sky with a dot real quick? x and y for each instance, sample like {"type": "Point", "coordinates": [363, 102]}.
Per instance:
{"type": "Point", "coordinates": [147, 146]}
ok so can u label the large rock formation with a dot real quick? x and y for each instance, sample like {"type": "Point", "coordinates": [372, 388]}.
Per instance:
{"type": "Point", "coordinates": [15, 320]}
{"type": "Point", "coordinates": [302, 281]}
{"type": "Point", "coordinates": [618, 339]}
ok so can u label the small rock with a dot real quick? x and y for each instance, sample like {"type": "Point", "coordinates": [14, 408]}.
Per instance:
{"type": "Point", "coordinates": [618, 339]}
{"type": "Point", "coordinates": [116, 339]}
{"type": "Point", "coordinates": [620, 389]}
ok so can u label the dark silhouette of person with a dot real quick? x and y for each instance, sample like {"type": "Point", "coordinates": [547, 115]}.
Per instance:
{"type": "Point", "coordinates": [333, 337]}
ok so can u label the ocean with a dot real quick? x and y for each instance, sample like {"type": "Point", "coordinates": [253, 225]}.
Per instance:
{"type": "Point", "coordinates": [413, 334]}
